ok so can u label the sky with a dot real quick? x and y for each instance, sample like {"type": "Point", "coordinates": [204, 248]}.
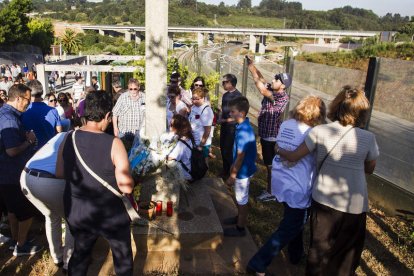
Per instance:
{"type": "Point", "coordinates": [380, 7]}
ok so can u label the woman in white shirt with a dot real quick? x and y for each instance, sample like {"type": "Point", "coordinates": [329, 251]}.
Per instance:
{"type": "Point", "coordinates": [181, 153]}
{"type": "Point", "coordinates": [345, 153]}
{"type": "Point", "coordinates": [175, 105]}
{"type": "Point", "coordinates": [201, 120]}
{"type": "Point", "coordinates": [292, 185]}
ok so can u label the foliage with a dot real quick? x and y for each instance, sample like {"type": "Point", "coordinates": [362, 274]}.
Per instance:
{"type": "Point", "coordinates": [196, 13]}
{"type": "Point", "coordinates": [244, 4]}
{"type": "Point", "coordinates": [13, 22]}
{"type": "Point", "coordinates": [70, 42]}
{"type": "Point", "coordinates": [358, 59]}
{"type": "Point", "coordinates": [41, 33]}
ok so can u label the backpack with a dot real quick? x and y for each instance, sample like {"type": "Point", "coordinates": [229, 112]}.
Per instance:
{"type": "Point", "coordinates": [198, 162]}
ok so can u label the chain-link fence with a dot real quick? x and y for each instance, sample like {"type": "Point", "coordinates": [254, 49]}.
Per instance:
{"type": "Point", "coordinates": [392, 120]}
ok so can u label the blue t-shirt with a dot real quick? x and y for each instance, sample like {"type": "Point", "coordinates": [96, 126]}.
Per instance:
{"type": "Point", "coordinates": [45, 158]}
{"type": "Point", "coordinates": [42, 119]}
{"type": "Point", "coordinates": [245, 141]}
{"type": "Point", "coordinates": [12, 135]}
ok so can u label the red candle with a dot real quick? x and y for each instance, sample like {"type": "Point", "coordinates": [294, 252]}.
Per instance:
{"type": "Point", "coordinates": [169, 208]}
{"type": "Point", "coordinates": [159, 208]}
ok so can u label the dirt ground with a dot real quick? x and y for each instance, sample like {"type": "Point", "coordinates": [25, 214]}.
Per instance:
{"type": "Point", "coordinates": [389, 244]}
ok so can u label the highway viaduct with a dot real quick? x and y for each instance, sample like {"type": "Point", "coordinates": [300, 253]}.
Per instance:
{"type": "Point", "coordinates": [252, 33]}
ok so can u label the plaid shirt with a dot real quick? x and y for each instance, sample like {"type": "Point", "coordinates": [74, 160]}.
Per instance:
{"type": "Point", "coordinates": [130, 113]}
{"type": "Point", "coordinates": [270, 115]}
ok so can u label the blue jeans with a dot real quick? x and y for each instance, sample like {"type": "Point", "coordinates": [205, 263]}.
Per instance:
{"type": "Point", "coordinates": [289, 233]}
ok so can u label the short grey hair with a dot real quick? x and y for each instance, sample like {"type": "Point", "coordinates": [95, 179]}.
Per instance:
{"type": "Point", "coordinates": [36, 87]}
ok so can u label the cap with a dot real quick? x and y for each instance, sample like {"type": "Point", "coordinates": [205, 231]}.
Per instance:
{"type": "Point", "coordinates": [285, 78]}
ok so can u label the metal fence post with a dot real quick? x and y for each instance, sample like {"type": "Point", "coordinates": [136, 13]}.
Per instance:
{"type": "Point", "coordinates": [244, 77]}
{"type": "Point", "coordinates": [289, 69]}
{"type": "Point", "coordinates": [371, 84]}
{"type": "Point", "coordinates": [218, 70]}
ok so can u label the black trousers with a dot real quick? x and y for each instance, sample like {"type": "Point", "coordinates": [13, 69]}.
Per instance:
{"type": "Point", "coordinates": [119, 241]}
{"type": "Point", "coordinates": [227, 132]}
{"type": "Point", "coordinates": [337, 241]}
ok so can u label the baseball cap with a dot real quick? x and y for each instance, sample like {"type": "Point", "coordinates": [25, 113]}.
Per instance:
{"type": "Point", "coordinates": [285, 78]}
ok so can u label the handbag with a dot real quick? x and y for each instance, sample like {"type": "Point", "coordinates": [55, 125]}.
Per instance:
{"type": "Point", "coordinates": [133, 215]}
{"type": "Point", "coordinates": [337, 142]}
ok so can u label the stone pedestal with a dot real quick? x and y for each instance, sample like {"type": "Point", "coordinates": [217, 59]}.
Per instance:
{"type": "Point", "coordinates": [158, 187]}
{"type": "Point", "coordinates": [194, 224]}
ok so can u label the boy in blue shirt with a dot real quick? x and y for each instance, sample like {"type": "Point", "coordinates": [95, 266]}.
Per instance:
{"type": "Point", "coordinates": [244, 164]}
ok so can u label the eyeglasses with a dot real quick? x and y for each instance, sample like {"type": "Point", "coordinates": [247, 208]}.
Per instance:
{"type": "Point", "coordinates": [132, 89]}
{"type": "Point", "coordinates": [198, 85]}
{"type": "Point", "coordinates": [27, 99]}
{"type": "Point", "coordinates": [54, 100]}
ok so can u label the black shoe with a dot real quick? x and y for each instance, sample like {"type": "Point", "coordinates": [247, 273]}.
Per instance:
{"type": "Point", "coordinates": [59, 264]}
{"type": "Point", "coordinates": [234, 232]}
{"type": "Point", "coordinates": [251, 271]}
{"type": "Point", "coordinates": [230, 221]}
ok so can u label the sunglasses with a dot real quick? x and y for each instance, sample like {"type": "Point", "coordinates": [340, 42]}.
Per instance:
{"type": "Point", "coordinates": [54, 100]}
{"type": "Point", "coordinates": [132, 89]}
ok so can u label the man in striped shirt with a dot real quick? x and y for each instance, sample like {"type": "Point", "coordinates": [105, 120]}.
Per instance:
{"type": "Point", "coordinates": [129, 111]}
{"type": "Point", "coordinates": [270, 118]}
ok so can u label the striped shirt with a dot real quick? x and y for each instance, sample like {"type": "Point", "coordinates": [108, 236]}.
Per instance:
{"type": "Point", "coordinates": [270, 118]}
{"type": "Point", "coordinates": [130, 113]}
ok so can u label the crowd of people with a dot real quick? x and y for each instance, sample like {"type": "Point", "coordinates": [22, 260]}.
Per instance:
{"type": "Point", "coordinates": [61, 154]}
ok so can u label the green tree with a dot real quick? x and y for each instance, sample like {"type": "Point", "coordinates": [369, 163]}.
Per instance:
{"type": "Point", "coordinates": [70, 42]}
{"type": "Point", "coordinates": [41, 33]}
{"type": "Point", "coordinates": [245, 4]}
{"type": "Point", "coordinates": [13, 22]}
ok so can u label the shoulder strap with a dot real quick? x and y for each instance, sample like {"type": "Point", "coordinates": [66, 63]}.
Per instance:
{"type": "Point", "coordinates": [203, 109]}
{"type": "Point", "coordinates": [181, 162]}
{"type": "Point", "coordinates": [133, 215]}
{"type": "Point", "coordinates": [337, 142]}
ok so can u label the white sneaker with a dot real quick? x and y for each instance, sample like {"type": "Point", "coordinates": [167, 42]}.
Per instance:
{"type": "Point", "coordinates": [4, 239]}
{"type": "Point", "coordinates": [265, 196]}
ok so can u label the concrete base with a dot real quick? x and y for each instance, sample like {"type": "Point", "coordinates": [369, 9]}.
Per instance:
{"type": "Point", "coordinates": [194, 224]}
{"type": "Point", "coordinates": [158, 187]}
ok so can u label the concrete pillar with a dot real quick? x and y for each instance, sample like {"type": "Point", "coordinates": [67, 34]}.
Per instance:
{"type": "Point", "coordinates": [43, 78]}
{"type": "Point", "coordinates": [138, 38]}
{"type": "Point", "coordinates": [156, 43]}
{"type": "Point", "coordinates": [101, 32]}
{"type": "Point", "coordinates": [128, 36]}
{"type": "Point", "coordinates": [200, 39]}
{"type": "Point", "coordinates": [88, 78]}
{"type": "Point", "coordinates": [252, 44]}
{"type": "Point", "coordinates": [170, 41]}
{"type": "Point", "coordinates": [262, 48]}
{"type": "Point", "coordinates": [262, 44]}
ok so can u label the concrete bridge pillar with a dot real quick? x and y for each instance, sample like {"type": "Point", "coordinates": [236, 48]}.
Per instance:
{"type": "Point", "coordinates": [200, 39]}
{"type": "Point", "coordinates": [252, 44]}
{"type": "Point", "coordinates": [170, 41]}
{"type": "Point", "coordinates": [262, 44]}
{"type": "Point", "coordinates": [138, 38]}
{"type": "Point", "coordinates": [128, 36]}
{"type": "Point", "coordinates": [101, 32]}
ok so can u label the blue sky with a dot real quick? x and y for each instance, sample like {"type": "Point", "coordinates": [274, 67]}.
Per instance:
{"type": "Point", "coordinates": [380, 7]}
